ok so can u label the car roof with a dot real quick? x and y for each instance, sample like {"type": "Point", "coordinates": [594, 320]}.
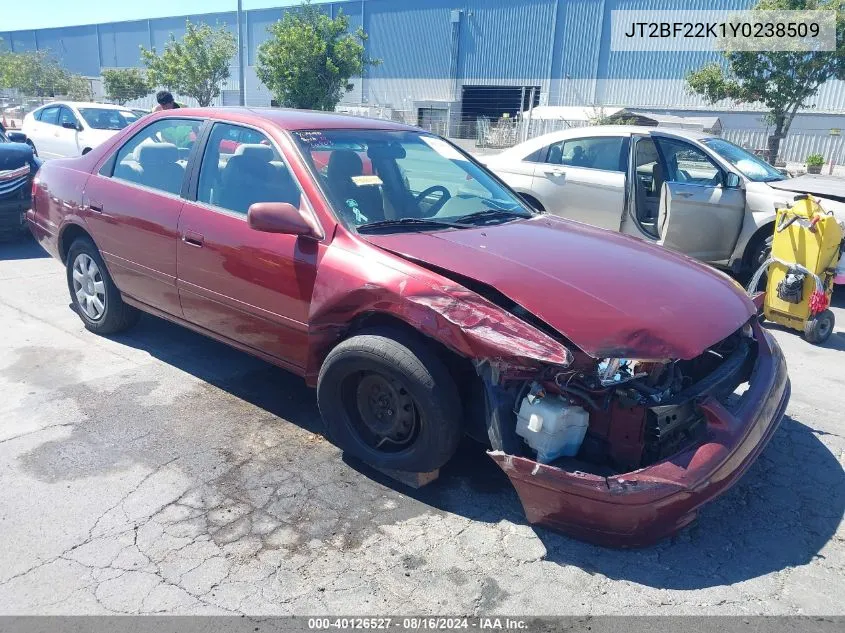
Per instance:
{"type": "Point", "coordinates": [290, 119]}
{"type": "Point", "coordinates": [526, 147]}
{"type": "Point", "coordinates": [84, 104]}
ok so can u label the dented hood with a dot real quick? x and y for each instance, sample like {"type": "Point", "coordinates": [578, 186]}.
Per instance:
{"type": "Point", "coordinates": [611, 295]}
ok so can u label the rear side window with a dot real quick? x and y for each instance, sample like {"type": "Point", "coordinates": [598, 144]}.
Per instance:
{"type": "Point", "coordinates": [597, 152]}
{"type": "Point", "coordinates": [240, 167]}
{"type": "Point", "coordinates": [157, 155]}
{"type": "Point", "coordinates": [50, 115]}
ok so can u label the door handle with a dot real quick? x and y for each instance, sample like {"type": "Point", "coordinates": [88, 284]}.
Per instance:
{"type": "Point", "coordinates": [554, 172]}
{"type": "Point", "coordinates": [193, 239]}
{"type": "Point", "coordinates": [96, 207]}
{"type": "Point", "coordinates": [684, 194]}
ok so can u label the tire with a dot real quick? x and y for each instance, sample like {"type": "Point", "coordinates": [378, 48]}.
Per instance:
{"type": "Point", "coordinates": [389, 379]}
{"type": "Point", "coordinates": [819, 327]}
{"type": "Point", "coordinates": [759, 251]}
{"type": "Point", "coordinates": [108, 314]}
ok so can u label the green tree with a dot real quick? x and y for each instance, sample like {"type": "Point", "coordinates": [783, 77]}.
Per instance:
{"type": "Point", "coordinates": [194, 66]}
{"type": "Point", "coordinates": [309, 58]}
{"type": "Point", "coordinates": [79, 88]}
{"type": "Point", "coordinates": [33, 73]}
{"type": "Point", "coordinates": [125, 84]}
{"type": "Point", "coordinates": [783, 81]}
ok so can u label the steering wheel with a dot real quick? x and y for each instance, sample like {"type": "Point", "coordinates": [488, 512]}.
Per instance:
{"type": "Point", "coordinates": [434, 208]}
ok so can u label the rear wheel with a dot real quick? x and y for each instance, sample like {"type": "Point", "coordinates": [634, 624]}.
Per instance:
{"type": "Point", "coordinates": [388, 400]}
{"type": "Point", "coordinates": [819, 327]}
{"type": "Point", "coordinates": [95, 298]}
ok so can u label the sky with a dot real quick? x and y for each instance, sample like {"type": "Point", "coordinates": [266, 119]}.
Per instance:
{"type": "Point", "coordinates": [53, 13]}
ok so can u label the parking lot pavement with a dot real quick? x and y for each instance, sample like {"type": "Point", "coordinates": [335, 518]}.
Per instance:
{"type": "Point", "coordinates": [161, 472]}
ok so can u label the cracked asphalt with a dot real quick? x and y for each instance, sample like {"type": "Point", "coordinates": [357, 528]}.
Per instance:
{"type": "Point", "coordinates": [161, 472]}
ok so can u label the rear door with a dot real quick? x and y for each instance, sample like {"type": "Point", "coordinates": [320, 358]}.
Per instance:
{"type": "Point", "coordinates": [133, 205]}
{"type": "Point", "coordinates": [247, 286]}
{"type": "Point", "coordinates": [44, 132]}
{"type": "Point", "coordinates": [584, 179]}
{"type": "Point", "coordinates": [699, 216]}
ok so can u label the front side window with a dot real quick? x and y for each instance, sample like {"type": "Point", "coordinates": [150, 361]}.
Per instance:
{"type": "Point", "coordinates": [107, 118]}
{"type": "Point", "coordinates": [598, 152]}
{"type": "Point", "coordinates": [240, 167]}
{"type": "Point", "coordinates": [50, 115]}
{"type": "Point", "coordinates": [156, 156]}
{"type": "Point", "coordinates": [66, 117]}
{"type": "Point", "coordinates": [753, 168]}
{"type": "Point", "coordinates": [687, 164]}
{"type": "Point", "coordinates": [404, 178]}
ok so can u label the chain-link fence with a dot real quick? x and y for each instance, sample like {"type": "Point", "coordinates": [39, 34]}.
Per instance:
{"type": "Point", "coordinates": [490, 122]}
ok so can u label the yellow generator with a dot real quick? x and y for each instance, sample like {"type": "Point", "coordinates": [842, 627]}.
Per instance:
{"type": "Point", "coordinates": [805, 252]}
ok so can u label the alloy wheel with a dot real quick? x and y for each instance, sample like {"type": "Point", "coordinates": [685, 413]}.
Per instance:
{"type": "Point", "coordinates": [89, 287]}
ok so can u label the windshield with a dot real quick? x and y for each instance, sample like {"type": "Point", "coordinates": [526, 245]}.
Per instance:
{"type": "Point", "coordinates": [753, 168]}
{"type": "Point", "coordinates": [107, 118]}
{"type": "Point", "coordinates": [408, 180]}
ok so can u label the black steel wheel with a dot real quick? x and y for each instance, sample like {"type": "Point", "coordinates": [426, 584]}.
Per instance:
{"type": "Point", "coordinates": [387, 399]}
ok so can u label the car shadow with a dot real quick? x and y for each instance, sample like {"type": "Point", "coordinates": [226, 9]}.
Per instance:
{"type": "Point", "coordinates": [779, 515]}
{"type": "Point", "coordinates": [23, 248]}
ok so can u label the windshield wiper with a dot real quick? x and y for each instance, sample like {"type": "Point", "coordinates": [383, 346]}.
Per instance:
{"type": "Point", "coordinates": [420, 223]}
{"type": "Point", "coordinates": [491, 214]}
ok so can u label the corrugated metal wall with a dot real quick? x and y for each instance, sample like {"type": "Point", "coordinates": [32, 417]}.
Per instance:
{"type": "Point", "coordinates": [430, 48]}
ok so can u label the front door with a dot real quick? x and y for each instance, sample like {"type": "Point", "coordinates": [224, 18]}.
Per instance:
{"type": "Point", "coordinates": [247, 286]}
{"type": "Point", "coordinates": [699, 215]}
{"type": "Point", "coordinates": [584, 179]}
{"type": "Point", "coordinates": [133, 207]}
{"type": "Point", "coordinates": [66, 134]}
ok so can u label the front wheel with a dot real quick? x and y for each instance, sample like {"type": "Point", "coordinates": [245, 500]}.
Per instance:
{"type": "Point", "coordinates": [819, 327]}
{"type": "Point", "coordinates": [95, 298]}
{"type": "Point", "coordinates": [388, 400]}
{"type": "Point", "coordinates": [758, 253]}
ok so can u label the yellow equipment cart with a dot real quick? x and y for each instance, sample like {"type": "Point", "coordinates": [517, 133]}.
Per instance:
{"type": "Point", "coordinates": [805, 251]}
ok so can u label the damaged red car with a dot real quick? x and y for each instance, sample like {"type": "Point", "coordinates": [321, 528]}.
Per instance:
{"type": "Point", "coordinates": [619, 386]}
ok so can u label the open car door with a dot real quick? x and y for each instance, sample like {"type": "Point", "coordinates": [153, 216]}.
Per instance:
{"type": "Point", "coordinates": [701, 206]}
{"type": "Point", "coordinates": [701, 221]}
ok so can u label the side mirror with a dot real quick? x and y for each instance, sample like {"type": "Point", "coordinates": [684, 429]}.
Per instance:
{"type": "Point", "coordinates": [281, 217]}
{"type": "Point", "coordinates": [732, 181]}
{"type": "Point", "coordinates": [16, 137]}
{"type": "Point", "coordinates": [70, 125]}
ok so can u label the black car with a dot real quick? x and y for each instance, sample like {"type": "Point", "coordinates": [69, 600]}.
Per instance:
{"type": "Point", "coordinates": [18, 166]}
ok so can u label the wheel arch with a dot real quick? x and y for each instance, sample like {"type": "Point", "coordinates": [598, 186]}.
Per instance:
{"type": "Point", "coordinates": [761, 233]}
{"type": "Point", "coordinates": [68, 235]}
{"type": "Point", "coordinates": [461, 368]}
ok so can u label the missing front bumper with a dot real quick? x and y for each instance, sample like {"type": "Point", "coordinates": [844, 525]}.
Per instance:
{"type": "Point", "coordinates": [642, 507]}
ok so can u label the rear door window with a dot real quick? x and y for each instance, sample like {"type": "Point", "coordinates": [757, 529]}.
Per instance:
{"type": "Point", "coordinates": [156, 156]}
{"type": "Point", "coordinates": [597, 152]}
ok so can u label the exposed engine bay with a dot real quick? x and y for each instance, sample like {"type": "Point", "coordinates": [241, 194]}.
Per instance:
{"type": "Point", "coordinates": [615, 415]}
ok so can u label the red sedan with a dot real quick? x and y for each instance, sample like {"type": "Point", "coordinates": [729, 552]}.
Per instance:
{"type": "Point", "coordinates": [620, 386]}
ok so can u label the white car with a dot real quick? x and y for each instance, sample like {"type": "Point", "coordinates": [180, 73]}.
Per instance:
{"type": "Point", "coordinates": [692, 192]}
{"type": "Point", "coordinates": [62, 128]}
